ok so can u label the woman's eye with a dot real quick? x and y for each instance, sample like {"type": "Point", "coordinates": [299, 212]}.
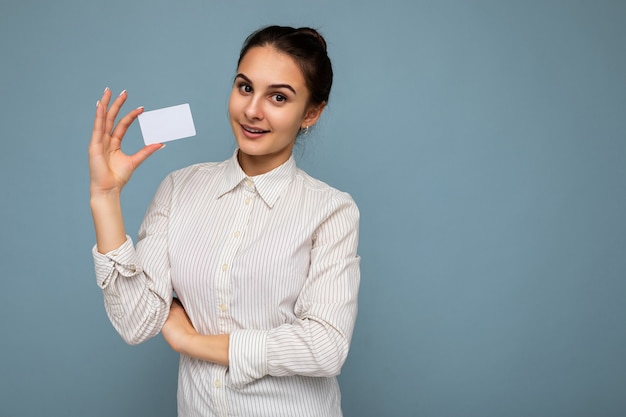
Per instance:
{"type": "Point", "coordinates": [279, 98]}
{"type": "Point", "coordinates": [245, 88]}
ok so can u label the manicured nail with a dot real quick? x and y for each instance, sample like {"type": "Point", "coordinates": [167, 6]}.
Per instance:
{"type": "Point", "coordinates": [122, 92]}
{"type": "Point", "coordinates": [106, 89]}
{"type": "Point", "coordinates": [97, 103]}
{"type": "Point", "coordinates": [140, 108]}
{"type": "Point", "coordinates": [162, 146]}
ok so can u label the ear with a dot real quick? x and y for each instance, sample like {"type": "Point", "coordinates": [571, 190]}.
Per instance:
{"type": "Point", "coordinates": [313, 114]}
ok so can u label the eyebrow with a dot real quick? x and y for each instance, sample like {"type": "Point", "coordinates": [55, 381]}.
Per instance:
{"type": "Point", "coordinates": [249, 81]}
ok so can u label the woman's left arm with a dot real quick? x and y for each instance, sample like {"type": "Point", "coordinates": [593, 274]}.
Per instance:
{"type": "Point", "coordinates": [317, 343]}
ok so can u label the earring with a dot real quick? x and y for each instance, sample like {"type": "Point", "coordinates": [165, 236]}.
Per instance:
{"type": "Point", "coordinates": [306, 130]}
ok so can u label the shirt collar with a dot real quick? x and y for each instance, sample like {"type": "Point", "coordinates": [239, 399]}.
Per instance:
{"type": "Point", "coordinates": [270, 185]}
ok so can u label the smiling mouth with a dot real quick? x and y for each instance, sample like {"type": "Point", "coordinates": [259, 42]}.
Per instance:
{"type": "Point", "coordinates": [253, 130]}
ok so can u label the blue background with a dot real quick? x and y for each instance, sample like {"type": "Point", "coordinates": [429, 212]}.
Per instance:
{"type": "Point", "coordinates": [484, 141]}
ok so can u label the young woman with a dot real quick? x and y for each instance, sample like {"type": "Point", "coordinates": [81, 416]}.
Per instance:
{"type": "Point", "coordinates": [262, 257]}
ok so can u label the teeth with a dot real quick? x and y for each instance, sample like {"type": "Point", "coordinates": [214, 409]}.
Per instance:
{"type": "Point", "coordinates": [254, 130]}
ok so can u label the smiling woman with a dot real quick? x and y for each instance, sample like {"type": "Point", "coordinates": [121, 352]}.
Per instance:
{"type": "Point", "coordinates": [262, 257]}
{"type": "Point", "coordinates": [269, 104]}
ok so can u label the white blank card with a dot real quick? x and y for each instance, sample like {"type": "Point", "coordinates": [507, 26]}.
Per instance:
{"type": "Point", "coordinates": [169, 123]}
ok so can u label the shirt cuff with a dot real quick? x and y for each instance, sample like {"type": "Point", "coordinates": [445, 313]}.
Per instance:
{"type": "Point", "coordinates": [247, 356]}
{"type": "Point", "coordinates": [123, 260]}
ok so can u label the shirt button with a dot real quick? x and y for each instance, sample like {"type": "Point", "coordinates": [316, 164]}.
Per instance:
{"type": "Point", "coordinates": [223, 307]}
{"type": "Point", "coordinates": [224, 267]}
{"type": "Point", "coordinates": [237, 233]}
{"type": "Point", "coordinates": [249, 182]}
{"type": "Point", "coordinates": [247, 201]}
{"type": "Point", "coordinates": [218, 383]}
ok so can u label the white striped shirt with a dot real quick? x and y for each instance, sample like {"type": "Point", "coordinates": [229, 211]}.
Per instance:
{"type": "Point", "coordinates": [271, 260]}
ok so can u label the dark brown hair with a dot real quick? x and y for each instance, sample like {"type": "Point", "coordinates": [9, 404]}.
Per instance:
{"type": "Point", "coordinates": [306, 47]}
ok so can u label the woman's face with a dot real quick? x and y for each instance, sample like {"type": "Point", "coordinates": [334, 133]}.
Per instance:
{"type": "Point", "coordinates": [267, 107]}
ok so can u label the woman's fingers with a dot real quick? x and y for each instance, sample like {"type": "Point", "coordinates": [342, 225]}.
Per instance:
{"type": "Point", "coordinates": [98, 123]}
{"type": "Point", "coordinates": [101, 109]}
{"type": "Point", "coordinates": [124, 123]}
{"type": "Point", "coordinates": [109, 167]}
{"type": "Point", "coordinates": [113, 110]}
{"type": "Point", "coordinates": [104, 104]}
{"type": "Point", "coordinates": [106, 97]}
{"type": "Point", "coordinates": [143, 154]}
{"type": "Point", "coordinates": [107, 136]}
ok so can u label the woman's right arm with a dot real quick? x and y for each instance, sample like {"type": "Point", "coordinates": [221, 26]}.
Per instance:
{"type": "Point", "coordinates": [135, 282]}
{"type": "Point", "coordinates": [110, 169]}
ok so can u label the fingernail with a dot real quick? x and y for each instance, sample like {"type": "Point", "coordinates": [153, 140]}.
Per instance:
{"type": "Point", "coordinates": [140, 108]}
{"type": "Point", "coordinates": [97, 103]}
{"type": "Point", "coordinates": [122, 92]}
{"type": "Point", "coordinates": [106, 89]}
{"type": "Point", "coordinates": [162, 146]}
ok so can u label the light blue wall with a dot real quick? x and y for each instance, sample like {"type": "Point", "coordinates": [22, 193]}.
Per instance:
{"type": "Point", "coordinates": [485, 142]}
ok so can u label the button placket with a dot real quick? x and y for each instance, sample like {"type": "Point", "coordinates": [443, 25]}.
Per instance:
{"type": "Point", "coordinates": [219, 394]}
{"type": "Point", "coordinates": [228, 253]}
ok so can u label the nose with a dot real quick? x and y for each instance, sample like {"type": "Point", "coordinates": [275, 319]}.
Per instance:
{"type": "Point", "coordinates": [253, 110]}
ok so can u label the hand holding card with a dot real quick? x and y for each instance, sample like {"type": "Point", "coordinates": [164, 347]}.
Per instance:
{"type": "Point", "coordinates": [167, 124]}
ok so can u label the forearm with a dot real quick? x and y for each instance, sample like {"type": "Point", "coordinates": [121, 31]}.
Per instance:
{"type": "Point", "coordinates": [306, 347]}
{"type": "Point", "coordinates": [108, 221]}
{"type": "Point", "coordinates": [309, 347]}
{"type": "Point", "coordinates": [182, 337]}
{"type": "Point", "coordinates": [210, 348]}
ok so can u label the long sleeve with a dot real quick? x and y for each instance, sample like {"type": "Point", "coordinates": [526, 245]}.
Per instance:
{"type": "Point", "coordinates": [135, 281]}
{"type": "Point", "coordinates": [317, 343]}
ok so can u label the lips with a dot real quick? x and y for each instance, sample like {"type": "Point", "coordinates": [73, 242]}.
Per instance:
{"type": "Point", "coordinates": [253, 132]}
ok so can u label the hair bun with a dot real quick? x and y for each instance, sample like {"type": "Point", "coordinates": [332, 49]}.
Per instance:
{"type": "Point", "coordinates": [315, 34]}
